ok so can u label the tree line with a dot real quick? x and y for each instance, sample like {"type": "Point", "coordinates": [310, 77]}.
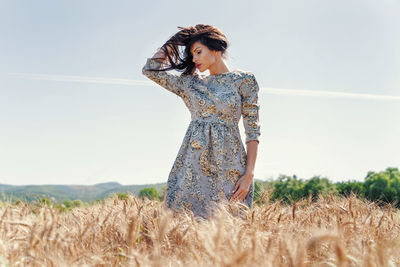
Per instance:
{"type": "Point", "coordinates": [382, 187]}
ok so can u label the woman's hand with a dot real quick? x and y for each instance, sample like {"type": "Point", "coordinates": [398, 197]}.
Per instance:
{"type": "Point", "coordinates": [161, 55]}
{"type": "Point", "coordinates": [242, 187]}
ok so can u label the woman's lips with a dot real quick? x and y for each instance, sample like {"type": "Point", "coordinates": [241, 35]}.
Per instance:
{"type": "Point", "coordinates": [198, 65]}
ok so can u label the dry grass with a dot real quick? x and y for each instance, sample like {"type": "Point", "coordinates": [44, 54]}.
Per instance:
{"type": "Point", "coordinates": [329, 232]}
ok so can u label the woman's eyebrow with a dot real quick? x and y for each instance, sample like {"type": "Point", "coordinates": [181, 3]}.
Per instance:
{"type": "Point", "coordinates": [195, 49]}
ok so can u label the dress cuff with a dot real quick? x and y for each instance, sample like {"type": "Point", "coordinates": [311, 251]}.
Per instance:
{"type": "Point", "coordinates": [253, 136]}
{"type": "Point", "coordinates": [153, 63]}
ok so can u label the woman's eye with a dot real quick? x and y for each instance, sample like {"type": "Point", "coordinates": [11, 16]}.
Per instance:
{"type": "Point", "coordinates": [198, 52]}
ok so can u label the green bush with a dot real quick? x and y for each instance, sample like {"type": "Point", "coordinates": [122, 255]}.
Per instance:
{"type": "Point", "coordinates": [287, 188]}
{"type": "Point", "coordinates": [77, 203]}
{"type": "Point", "coordinates": [383, 186]}
{"type": "Point", "coordinates": [316, 186]}
{"type": "Point", "coordinates": [123, 196]}
{"type": "Point", "coordinates": [45, 201]}
{"type": "Point", "coordinates": [68, 203]}
{"type": "Point", "coordinates": [347, 188]}
{"type": "Point", "coordinates": [149, 192]}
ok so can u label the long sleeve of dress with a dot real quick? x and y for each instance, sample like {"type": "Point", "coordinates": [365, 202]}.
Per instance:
{"type": "Point", "coordinates": [169, 81]}
{"type": "Point", "coordinates": [250, 108]}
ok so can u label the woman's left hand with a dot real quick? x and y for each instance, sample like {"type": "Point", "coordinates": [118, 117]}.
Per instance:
{"type": "Point", "coordinates": [242, 188]}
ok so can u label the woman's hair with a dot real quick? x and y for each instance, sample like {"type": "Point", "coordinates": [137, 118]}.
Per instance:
{"type": "Point", "coordinates": [207, 35]}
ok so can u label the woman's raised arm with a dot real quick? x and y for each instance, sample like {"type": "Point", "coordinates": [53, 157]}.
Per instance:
{"type": "Point", "coordinates": [172, 82]}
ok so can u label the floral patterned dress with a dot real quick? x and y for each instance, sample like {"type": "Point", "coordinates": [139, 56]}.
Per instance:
{"type": "Point", "coordinates": [212, 156]}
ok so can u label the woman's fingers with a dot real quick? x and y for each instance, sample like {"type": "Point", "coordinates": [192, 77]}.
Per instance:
{"type": "Point", "coordinates": [240, 195]}
{"type": "Point", "coordinates": [234, 196]}
{"type": "Point", "coordinates": [236, 187]}
{"type": "Point", "coordinates": [239, 192]}
{"type": "Point", "coordinates": [235, 191]}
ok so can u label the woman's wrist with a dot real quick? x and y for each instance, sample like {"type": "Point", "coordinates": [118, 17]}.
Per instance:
{"type": "Point", "coordinates": [249, 175]}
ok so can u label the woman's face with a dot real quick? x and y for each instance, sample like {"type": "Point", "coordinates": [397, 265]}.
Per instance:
{"type": "Point", "coordinates": [202, 56]}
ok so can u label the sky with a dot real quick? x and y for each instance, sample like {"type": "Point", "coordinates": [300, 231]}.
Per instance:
{"type": "Point", "coordinates": [75, 107]}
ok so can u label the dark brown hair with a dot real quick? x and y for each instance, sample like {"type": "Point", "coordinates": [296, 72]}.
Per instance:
{"type": "Point", "coordinates": [208, 35]}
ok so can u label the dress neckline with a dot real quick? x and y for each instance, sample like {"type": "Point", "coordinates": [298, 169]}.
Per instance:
{"type": "Point", "coordinates": [219, 74]}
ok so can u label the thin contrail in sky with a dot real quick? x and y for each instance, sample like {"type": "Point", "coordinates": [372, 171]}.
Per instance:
{"type": "Point", "coordinates": [266, 90]}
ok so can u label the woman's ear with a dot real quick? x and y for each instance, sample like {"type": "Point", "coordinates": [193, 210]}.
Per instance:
{"type": "Point", "coordinates": [216, 53]}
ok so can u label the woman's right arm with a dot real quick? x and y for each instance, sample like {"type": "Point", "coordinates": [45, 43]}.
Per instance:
{"type": "Point", "coordinates": [169, 81]}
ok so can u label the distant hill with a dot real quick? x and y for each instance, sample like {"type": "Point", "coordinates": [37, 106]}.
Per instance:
{"type": "Point", "coordinates": [86, 193]}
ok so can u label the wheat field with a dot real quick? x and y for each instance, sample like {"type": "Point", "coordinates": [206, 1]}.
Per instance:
{"type": "Point", "coordinates": [331, 231]}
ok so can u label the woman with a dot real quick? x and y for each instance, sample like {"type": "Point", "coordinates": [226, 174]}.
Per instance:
{"type": "Point", "coordinates": [212, 164]}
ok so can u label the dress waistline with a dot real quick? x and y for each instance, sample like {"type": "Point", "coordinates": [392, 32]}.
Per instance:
{"type": "Point", "coordinates": [213, 121]}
